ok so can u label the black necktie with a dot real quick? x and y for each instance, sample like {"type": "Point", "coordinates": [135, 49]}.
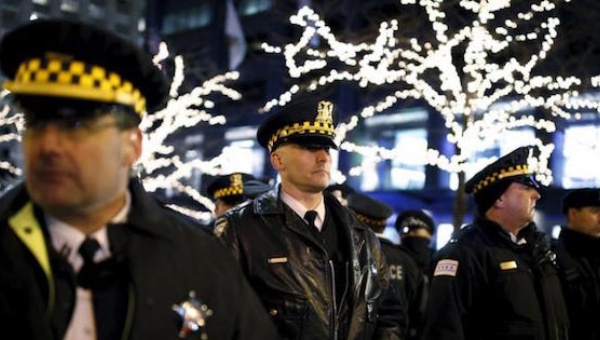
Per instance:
{"type": "Point", "coordinates": [87, 250]}
{"type": "Point", "coordinates": [310, 216]}
{"type": "Point", "coordinates": [108, 282]}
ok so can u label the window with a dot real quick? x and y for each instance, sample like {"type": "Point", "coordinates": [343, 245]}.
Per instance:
{"type": "Point", "coordinates": [581, 157]}
{"type": "Point", "coordinates": [187, 19]}
{"type": "Point", "coordinates": [405, 132]}
{"type": "Point", "coordinates": [250, 7]}
{"type": "Point", "coordinates": [242, 145]}
{"type": "Point", "coordinates": [408, 169]}
{"type": "Point", "coordinates": [71, 6]}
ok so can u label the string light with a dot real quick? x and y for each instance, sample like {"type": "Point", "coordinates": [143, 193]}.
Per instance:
{"type": "Point", "coordinates": [480, 101]}
{"type": "Point", "coordinates": [161, 167]}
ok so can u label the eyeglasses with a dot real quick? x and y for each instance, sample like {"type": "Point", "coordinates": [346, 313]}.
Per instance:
{"type": "Point", "coordinates": [74, 128]}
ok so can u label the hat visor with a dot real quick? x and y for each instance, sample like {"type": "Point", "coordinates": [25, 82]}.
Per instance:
{"type": "Point", "coordinates": [254, 188]}
{"type": "Point", "coordinates": [313, 140]}
{"type": "Point", "coordinates": [528, 180]}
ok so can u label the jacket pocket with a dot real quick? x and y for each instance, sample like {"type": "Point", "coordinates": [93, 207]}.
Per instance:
{"type": "Point", "coordinates": [289, 314]}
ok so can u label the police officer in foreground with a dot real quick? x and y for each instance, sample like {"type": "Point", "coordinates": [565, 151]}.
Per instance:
{"type": "Point", "coordinates": [578, 252]}
{"type": "Point", "coordinates": [405, 273]}
{"type": "Point", "coordinates": [496, 278]}
{"type": "Point", "coordinates": [85, 251]}
{"type": "Point", "coordinates": [317, 269]}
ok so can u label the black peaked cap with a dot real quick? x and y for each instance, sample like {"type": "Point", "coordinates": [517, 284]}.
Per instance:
{"type": "Point", "coordinates": [236, 184]}
{"type": "Point", "coordinates": [90, 44]}
{"type": "Point", "coordinates": [490, 183]}
{"type": "Point", "coordinates": [305, 122]}
{"type": "Point", "coordinates": [414, 219]}
{"type": "Point", "coordinates": [370, 211]}
{"type": "Point", "coordinates": [578, 198]}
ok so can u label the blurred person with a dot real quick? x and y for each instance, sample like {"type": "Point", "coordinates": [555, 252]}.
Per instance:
{"type": "Point", "coordinates": [415, 228]}
{"type": "Point", "coordinates": [86, 252]}
{"type": "Point", "coordinates": [317, 269]}
{"type": "Point", "coordinates": [232, 189]}
{"type": "Point", "coordinates": [340, 191]}
{"type": "Point", "coordinates": [578, 255]}
{"type": "Point", "coordinates": [496, 278]}
{"type": "Point", "coordinates": [405, 273]}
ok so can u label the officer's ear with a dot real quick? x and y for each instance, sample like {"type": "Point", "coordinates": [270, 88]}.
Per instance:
{"type": "Point", "coordinates": [132, 146]}
{"type": "Point", "coordinates": [499, 203]}
{"type": "Point", "coordinates": [276, 160]}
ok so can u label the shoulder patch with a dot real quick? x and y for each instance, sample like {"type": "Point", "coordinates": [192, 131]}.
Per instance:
{"type": "Point", "coordinates": [446, 267]}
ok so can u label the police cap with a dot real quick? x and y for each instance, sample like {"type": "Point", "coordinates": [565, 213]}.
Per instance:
{"type": "Point", "coordinates": [308, 122]}
{"type": "Point", "coordinates": [492, 181]}
{"type": "Point", "coordinates": [57, 58]}
{"type": "Point", "coordinates": [344, 189]}
{"type": "Point", "coordinates": [578, 198]}
{"type": "Point", "coordinates": [236, 187]}
{"type": "Point", "coordinates": [414, 219]}
{"type": "Point", "coordinates": [370, 211]}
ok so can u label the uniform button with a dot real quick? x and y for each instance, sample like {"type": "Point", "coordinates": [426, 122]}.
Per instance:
{"type": "Point", "coordinates": [273, 312]}
{"type": "Point", "coordinates": [149, 302]}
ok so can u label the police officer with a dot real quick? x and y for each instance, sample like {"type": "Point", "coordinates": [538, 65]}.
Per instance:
{"type": "Point", "coordinates": [232, 189]}
{"type": "Point", "coordinates": [318, 270]}
{"type": "Point", "coordinates": [416, 227]}
{"type": "Point", "coordinates": [86, 252]}
{"type": "Point", "coordinates": [496, 278]}
{"type": "Point", "coordinates": [578, 251]}
{"type": "Point", "coordinates": [341, 191]}
{"type": "Point", "coordinates": [405, 273]}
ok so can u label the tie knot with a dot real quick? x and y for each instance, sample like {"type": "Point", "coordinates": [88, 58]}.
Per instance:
{"type": "Point", "coordinates": [88, 249]}
{"type": "Point", "coordinates": [310, 216]}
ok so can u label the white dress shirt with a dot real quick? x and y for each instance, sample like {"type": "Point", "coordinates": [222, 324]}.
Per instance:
{"type": "Point", "coordinates": [66, 240]}
{"type": "Point", "coordinates": [299, 209]}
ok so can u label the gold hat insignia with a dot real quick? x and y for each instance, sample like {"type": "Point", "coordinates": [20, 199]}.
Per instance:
{"type": "Point", "coordinates": [324, 112]}
{"type": "Point", "coordinates": [236, 180]}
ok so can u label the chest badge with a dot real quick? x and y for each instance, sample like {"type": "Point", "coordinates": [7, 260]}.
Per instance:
{"type": "Point", "coordinates": [193, 314]}
{"type": "Point", "coordinates": [508, 265]}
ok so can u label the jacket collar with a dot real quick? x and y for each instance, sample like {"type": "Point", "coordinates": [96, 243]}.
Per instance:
{"type": "Point", "coordinates": [270, 203]}
{"type": "Point", "coordinates": [146, 213]}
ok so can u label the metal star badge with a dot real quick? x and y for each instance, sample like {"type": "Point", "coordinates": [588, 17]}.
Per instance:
{"type": "Point", "coordinates": [194, 314]}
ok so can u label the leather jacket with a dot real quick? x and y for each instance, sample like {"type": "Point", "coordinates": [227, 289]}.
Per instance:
{"type": "Point", "coordinates": [290, 271]}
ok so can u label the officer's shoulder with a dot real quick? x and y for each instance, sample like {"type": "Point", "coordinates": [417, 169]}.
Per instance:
{"type": "Point", "coordinates": [463, 241]}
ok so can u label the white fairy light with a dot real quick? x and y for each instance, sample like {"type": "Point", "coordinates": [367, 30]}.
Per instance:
{"type": "Point", "coordinates": [11, 123]}
{"type": "Point", "coordinates": [160, 165]}
{"type": "Point", "coordinates": [468, 99]}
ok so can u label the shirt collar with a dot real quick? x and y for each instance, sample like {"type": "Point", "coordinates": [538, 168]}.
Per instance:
{"type": "Point", "coordinates": [66, 239]}
{"type": "Point", "coordinates": [300, 209]}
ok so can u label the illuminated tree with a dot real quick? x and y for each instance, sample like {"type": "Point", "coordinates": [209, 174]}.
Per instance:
{"type": "Point", "coordinates": [480, 68]}
{"type": "Point", "coordinates": [10, 125]}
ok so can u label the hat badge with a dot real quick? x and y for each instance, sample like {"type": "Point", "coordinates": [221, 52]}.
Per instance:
{"type": "Point", "coordinates": [324, 112]}
{"type": "Point", "coordinates": [236, 180]}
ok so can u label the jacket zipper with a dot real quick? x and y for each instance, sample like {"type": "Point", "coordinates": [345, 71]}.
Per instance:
{"type": "Point", "coordinates": [335, 323]}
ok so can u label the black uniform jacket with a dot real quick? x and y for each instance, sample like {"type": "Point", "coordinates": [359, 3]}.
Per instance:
{"type": "Point", "coordinates": [165, 257]}
{"type": "Point", "coordinates": [485, 286]}
{"type": "Point", "coordinates": [289, 269]}
{"type": "Point", "coordinates": [408, 277]}
{"type": "Point", "coordinates": [579, 266]}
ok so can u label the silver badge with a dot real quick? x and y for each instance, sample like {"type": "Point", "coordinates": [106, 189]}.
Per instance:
{"type": "Point", "coordinates": [193, 314]}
